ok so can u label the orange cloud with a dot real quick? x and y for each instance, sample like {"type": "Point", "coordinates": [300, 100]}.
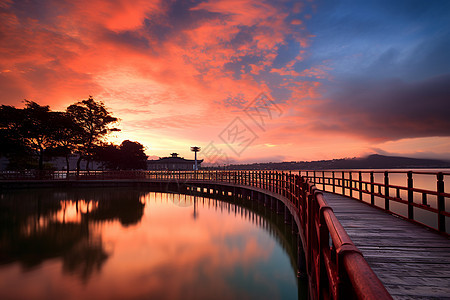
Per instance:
{"type": "Point", "coordinates": [168, 77]}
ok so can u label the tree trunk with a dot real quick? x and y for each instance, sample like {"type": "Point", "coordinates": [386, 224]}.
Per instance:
{"type": "Point", "coordinates": [41, 159]}
{"type": "Point", "coordinates": [79, 164]}
{"type": "Point", "coordinates": [67, 166]}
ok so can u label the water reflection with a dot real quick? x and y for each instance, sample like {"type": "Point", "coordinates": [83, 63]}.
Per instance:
{"type": "Point", "coordinates": [42, 225]}
{"type": "Point", "coordinates": [125, 243]}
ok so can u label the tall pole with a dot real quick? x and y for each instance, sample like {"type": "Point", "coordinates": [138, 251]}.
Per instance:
{"type": "Point", "coordinates": [195, 149]}
{"type": "Point", "coordinates": [196, 168]}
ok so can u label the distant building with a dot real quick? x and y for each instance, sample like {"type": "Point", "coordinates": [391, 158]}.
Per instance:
{"type": "Point", "coordinates": [173, 163]}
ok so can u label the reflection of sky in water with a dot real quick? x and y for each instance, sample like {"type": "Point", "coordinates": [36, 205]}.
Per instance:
{"type": "Point", "coordinates": [153, 251]}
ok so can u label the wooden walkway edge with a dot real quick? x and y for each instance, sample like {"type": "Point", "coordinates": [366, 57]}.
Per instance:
{"type": "Point", "coordinates": [411, 261]}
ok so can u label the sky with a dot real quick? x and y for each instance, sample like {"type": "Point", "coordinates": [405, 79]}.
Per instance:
{"type": "Point", "coordinates": [245, 80]}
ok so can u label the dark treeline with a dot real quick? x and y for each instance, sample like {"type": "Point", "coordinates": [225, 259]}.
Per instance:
{"type": "Point", "coordinates": [374, 161]}
{"type": "Point", "coordinates": [33, 134]}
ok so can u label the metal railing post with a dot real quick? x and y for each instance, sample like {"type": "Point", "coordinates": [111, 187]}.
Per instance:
{"type": "Point", "coordinates": [386, 190]}
{"type": "Point", "coordinates": [290, 187]}
{"type": "Point", "coordinates": [372, 189]}
{"type": "Point", "coordinates": [323, 181]}
{"type": "Point", "coordinates": [351, 183]}
{"type": "Point", "coordinates": [360, 186]}
{"type": "Point", "coordinates": [270, 180]}
{"type": "Point", "coordinates": [410, 196]}
{"type": "Point", "coordinates": [265, 180]}
{"type": "Point", "coordinates": [441, 202]}
{"type": "Point", "coordinates": [259, 179]}
{"type": "Point", "coordinates": [334, 183]}
{"type": "Point", "coordinates": [278, 183]}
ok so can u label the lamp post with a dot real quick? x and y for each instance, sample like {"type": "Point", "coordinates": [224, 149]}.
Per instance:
{"type": "Point", "coordinates": [195, 149]}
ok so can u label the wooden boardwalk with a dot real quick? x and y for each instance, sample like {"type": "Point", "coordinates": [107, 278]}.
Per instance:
{"type": "Point", "coordinates": [411, 261]}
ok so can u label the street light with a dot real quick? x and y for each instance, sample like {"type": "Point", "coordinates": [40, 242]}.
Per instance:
{"type": "Point", "coordinates": [195, 149]}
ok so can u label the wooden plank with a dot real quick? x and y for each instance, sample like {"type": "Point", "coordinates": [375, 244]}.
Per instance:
{"type": "Point", "coordinates": [418, 292]}
{"type": "Point", "coordinates": [411, 269]}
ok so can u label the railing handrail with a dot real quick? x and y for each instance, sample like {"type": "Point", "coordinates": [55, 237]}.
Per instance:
{"type": "Point", "coordinates": [352, 184]}
{"type": "Point", "coordinates": [377, 171]}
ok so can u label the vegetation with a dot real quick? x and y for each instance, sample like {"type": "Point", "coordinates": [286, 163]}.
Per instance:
{"type": "Point", "coordinates": [93, 121]}
{"type": "Point", "coordinates": [35, 133]}
{"type": "Point", "coordinates": [128, 156]}
{"type": "Point", "coordinates": [374, 161]}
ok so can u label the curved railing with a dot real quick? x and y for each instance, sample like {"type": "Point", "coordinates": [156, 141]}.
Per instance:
{"type": "Point", "coordinates": [336, 268]}
{"type": "Point", "coordinates": [418, 196]}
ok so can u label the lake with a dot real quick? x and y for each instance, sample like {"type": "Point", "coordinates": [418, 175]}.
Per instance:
{"type": "Point", "coordinates": [128, 243]}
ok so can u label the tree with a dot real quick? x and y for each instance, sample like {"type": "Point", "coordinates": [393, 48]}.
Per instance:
{"type": "Point", "coordinates": [94, 121]}
{"type": "Point", "coordinates": [128, 156]}
{"type": "Point", "coordinates": [132, 156]}
{"type": "Point", "coordinates": [31, 129]}
{"type": "Point", "coordinates": [39, 129]}
{"type": "Point", "coordinates": [66, 136]}
{"type": "Point", "coordinates": [109, 155]}
{"type": "Point", "coordinates": [12, 143]}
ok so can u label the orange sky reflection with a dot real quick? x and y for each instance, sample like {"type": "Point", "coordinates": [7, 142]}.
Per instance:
{"type": "Point", "coordinates": [167, 254]}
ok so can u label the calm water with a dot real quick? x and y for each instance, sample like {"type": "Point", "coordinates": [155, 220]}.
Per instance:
{"type": "Point", "coordinates": [125, 243]}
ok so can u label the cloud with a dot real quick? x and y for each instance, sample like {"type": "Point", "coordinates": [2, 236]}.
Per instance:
{"type": "Point", "coordinates": [213, 48]}
{"type": "Point", "coordinates": [183, 70]}
{"type": "Point", "coordinates": [389, 109]}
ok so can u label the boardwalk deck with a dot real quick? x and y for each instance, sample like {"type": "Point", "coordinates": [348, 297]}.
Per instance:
{"type": "Point", "coordinates": [411, 261]}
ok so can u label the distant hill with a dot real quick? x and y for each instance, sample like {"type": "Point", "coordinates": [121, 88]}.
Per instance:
{"type": "Point", "coordinates": [374, 161]}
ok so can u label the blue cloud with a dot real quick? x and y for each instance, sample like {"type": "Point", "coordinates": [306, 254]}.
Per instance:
{"type": "Point", "coordinates": [365, 37]}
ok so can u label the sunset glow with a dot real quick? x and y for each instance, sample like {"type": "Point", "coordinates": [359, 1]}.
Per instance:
{"type": "Point", "coordinates": [307, 80]}
{"type": "Point", "coordinates": [154, 250]}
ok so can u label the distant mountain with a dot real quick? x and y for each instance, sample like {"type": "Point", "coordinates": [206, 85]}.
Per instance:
{"type": "Point", "coordinates": [374, 161]}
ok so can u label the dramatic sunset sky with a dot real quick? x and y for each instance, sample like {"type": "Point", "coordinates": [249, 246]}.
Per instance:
{"type": "Point", "coordinates": [331, 79]}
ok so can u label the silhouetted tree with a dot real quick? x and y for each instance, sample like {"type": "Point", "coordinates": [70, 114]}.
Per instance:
{"type": "Point", "coordinates": [94, 121]}
{"type": "Point", "coordinates": [109, 155]}
{"type": "Point", "coordinates": [128, 156]}
{"type": "Point", "coordinates": [36, 130]}
{"type": "Point", "coordinates": [67, 135]}
{"type": "Point", "coordinates": [12, 145]}
{"type": "Point", "coordinates": [29, 129]}
{"type": "Point", "coordinates": [132, 156]}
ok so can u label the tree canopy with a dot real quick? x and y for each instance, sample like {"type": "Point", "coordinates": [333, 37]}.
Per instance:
{"type": "Point", "coordinates": [128, 156]}
{"type": "Point", "coordinates": [28, 130]}
{"type": "Point", "coordinates": [94, 123]}
{"type": "Point", "coordinates": [12, 144]}
{"type": "Point", "coordinates": [34, 133]}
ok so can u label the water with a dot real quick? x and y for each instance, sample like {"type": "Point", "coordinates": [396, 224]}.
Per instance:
{"type": "Point", "coordinates": [124, 243]}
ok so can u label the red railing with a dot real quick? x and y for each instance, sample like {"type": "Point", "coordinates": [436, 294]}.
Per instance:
{"type": "Point", "coordinates": [336, 268]}
{"type": "Point", "coordinates": [394, 192]}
